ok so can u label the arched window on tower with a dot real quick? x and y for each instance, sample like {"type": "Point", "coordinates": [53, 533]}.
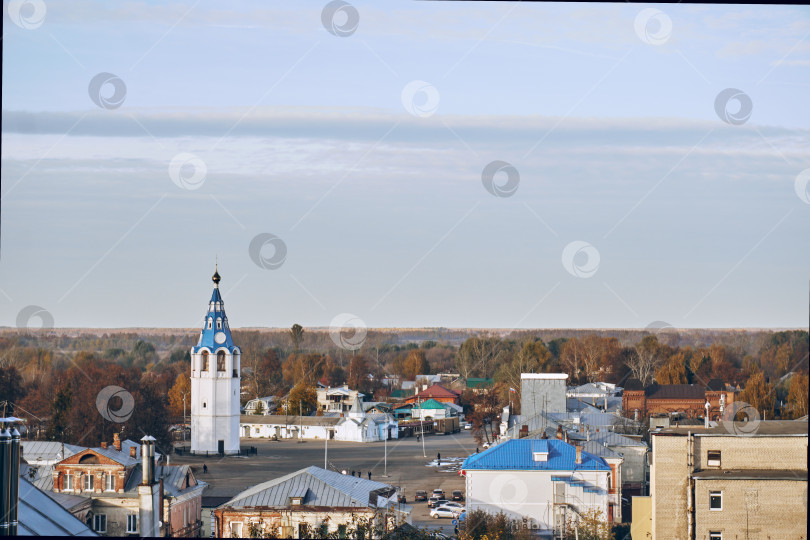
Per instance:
{"type": "Point", "coordinates": [205, 361]}
{"type": "Point", "coordinates": [209, 323]}
{"type": "Point", "coordinates": [219, 323]}
{"type": "Point", "coordinates": [221, 361]}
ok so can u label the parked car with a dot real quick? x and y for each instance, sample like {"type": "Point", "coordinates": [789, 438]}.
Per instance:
{"type": "Point", "coordinates": [444, 512]}
{"type": "Point", "coordinates": [438, 493]}
{"type": "Point", "coordinates": [421, 495]}
{"type": "Point", "coordinates": [457, 495]}
{"type": "Point", "coordinates": [467, 425]}
{"type": "Point", "coordinates": [435, 502]}
{"type": "Point", "coordinates": [451, 504]}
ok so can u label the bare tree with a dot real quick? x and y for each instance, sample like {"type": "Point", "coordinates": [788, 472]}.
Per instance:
{"type": "Point", "coordinates": [649, 356]}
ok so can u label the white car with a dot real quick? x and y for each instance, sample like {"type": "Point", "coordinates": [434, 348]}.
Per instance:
{"type": "Point", "coordinates": [445, 512]}
{"type": "Point", "coordinates": [452, 504]}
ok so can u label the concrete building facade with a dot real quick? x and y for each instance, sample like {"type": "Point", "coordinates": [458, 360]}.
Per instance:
{"type": "Point", "coordinates": [730, 481]}
{"type": "Point", "coordinates": [542, 393]}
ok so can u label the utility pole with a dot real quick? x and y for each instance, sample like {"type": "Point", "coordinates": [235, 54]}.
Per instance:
{"type": "Point", "coordinates": [422, 425]}
{"type": "Point", "coordinates": [326, 449]}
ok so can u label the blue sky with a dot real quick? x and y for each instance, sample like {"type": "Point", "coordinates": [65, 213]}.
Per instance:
{"type": "Point", "coordinates": [606, 111]}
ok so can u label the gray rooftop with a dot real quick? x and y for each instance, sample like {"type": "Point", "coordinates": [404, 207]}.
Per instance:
{"type": "Point", "coordinates": [39, 514]}
{"type": "Point", "coordinates": [319, 487]}
{"type": "Point", "coordinates": [283, 420]}
{"type": "Point", "coordinates": [763, 428]}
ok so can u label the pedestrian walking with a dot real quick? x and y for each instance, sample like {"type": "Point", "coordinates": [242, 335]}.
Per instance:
{"type": "Point", "coordinates": [476, 449]}
{"type": "Point", "coordinates": [205, 468]}
{"type": "Point", "coordinates": [352, 472]}
{"type": "Point", "coordinates": [369, 475]}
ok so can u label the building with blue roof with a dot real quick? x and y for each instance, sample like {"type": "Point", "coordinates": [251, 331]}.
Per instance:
{"type": "Point", "coordinates": [544, 483]}
{"type": "Point", "coordinates": [215, 383]}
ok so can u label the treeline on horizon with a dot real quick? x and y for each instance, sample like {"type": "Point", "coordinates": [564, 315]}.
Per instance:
{"type": "Point", "coordinates": [53, 380]}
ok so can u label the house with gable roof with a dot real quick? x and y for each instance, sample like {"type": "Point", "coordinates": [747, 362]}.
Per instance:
{"type": "Point", "coordinates": [544, 483]}
{"type": "Point", "coordinates": [437, 392]}
{"type": "Point", "coordinates": [311, 502]}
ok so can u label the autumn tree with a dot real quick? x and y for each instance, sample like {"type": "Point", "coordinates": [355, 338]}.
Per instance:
{"type": "Point", "coordinates": [589, 525]}
{"type": "Point", "coordinates": [296, 336]}
{"type": "Point", "coordinates": [532, 357]}
{"type": "Point", "coordinates": [179, 396]}
{"type": "Point", "coordinates": [673, 371]}
{"type": "Point", "coordinates": [797, 395]}
{"type": "Point", "coordinates": [11, 389]}
{"type": "Point", "coordinates": [415, 364]}
{"type": "Point", "coordinates": [572, 358]}
{"type": "Point", "coordinates": [649, 354]}
{"type": "Point", "coordinates": [758, 393]}
{"type": "Point", "coordinates": [304, 398]}
{"type": "Point", "coordinates": [479, 356]}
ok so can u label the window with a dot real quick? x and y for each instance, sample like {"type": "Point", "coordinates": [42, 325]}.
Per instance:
{"type": "Point", "coordinates": [109, 482]}
{"type": "Point", "coordinates": [132, 523]}
{"type": "Point", "coordinates": [341, 531]}
{"type": "Point", "coordinates": [303, 530]}
{"type": "Point", "coordinates": [324, 530]}
{"type": "Point", "coordinates": [716, 500]}
{"type": "Point", "coordinates": [88, 482]}
{"type": "Point", "coordinates": [219, 324]}
{"type": "Point", "coordinates": [100, 523]}
{"type": "Point", "coordinates": [236, 529]}
{"type": "Point", "coordinates": [210, 322]}
{"type": "Point", "coordinates": [205, 361]}
{"type": "Point", "coordinates": [715, 535]}
{"type": "Point", "coordinates": [221, 361]}
{"type": "Point", "coordinates": [69, 481]}
{"type": "Point", "coordinates": [713, 458]}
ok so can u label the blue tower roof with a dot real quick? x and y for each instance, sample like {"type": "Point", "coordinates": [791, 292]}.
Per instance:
{"type": "Point", "coordinates": [216, 332]}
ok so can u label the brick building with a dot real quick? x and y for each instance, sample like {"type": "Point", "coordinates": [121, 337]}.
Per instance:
{"type": "Point", "coordinates": [731, 481]}
{"type": "Point", "coordinates": [111, 475]}
{"type": "Point", "coordinates": [311, 502]}
{"type": "Point", "coordinates": [688, 399]}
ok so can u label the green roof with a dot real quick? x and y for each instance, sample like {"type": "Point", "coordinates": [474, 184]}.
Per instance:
{"type": "Point", "coordinates": [432, 404]}
{"type": "Point", "coordinates": [401, 393]}
{"type": "Point", "coordinates": [475, 382]}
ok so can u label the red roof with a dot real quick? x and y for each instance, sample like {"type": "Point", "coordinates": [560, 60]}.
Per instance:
{"type": "Point", "coordinates": [436, 391]}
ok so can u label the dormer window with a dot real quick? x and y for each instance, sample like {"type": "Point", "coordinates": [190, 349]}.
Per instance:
{"type": "Point", "coordinates": [219, 324]}
{"type": "Point", "coordinates": [210, 322]}
{"type": "Point", "coordinates": [296, 501]}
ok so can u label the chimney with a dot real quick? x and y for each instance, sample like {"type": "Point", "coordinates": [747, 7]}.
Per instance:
{"type": "Point", "coordinates": [117, 441]}
{"type": "Point", "coordinates": [9, 476]}
{"type": "Point", "coordinates": [104, 445]}
{"type": "Point", "coordinates": [579, 455]}
{"type": "Point", "coordinates": [133, 452]}
{"type": "Point", "coordinates": [148, 460]}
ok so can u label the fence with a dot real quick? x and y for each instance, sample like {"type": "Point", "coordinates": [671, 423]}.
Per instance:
{"type": "Point", "coordinates": [243, 451]}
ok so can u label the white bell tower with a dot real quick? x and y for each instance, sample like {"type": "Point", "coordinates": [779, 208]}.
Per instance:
{"type": "Point", "coordinates": [215, 383]}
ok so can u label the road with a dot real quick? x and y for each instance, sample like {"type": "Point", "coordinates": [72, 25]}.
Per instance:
{"type": "Point", "coordinates": [407, 466]}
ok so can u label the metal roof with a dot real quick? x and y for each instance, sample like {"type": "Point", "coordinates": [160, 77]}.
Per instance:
{"type": "Point", "coordinates": [174, 477]}
{"type": "Point", "coordinates": [292, 421]}
{"type": "Point", "coordinates": [432, 404]}
{"type": "Point", "coordinates": [39, 514]}
{"type": "Point", "coordinates": [516, 454]}
{"type": "Point", "coordinates": [322, 488]}
{"type": "Point", "coordinates": [48, 451]}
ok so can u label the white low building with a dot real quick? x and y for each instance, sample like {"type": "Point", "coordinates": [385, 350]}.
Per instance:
{"type": "Point", "coordinates": [544, 483]}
